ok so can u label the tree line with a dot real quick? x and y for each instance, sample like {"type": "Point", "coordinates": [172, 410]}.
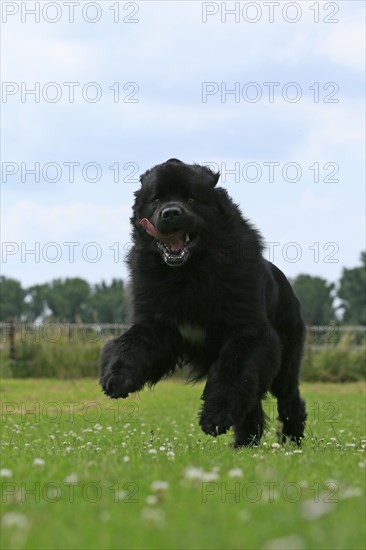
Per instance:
{"type": "Point", "coordinates": [71, 300]}
{"type": "Point", "coordinates": [74, 300]}
{"type": "Point", "coordinates": [323, 302]}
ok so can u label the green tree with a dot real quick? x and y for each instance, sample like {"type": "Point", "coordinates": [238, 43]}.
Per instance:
{"type": "Point", "coordinates": [68, 299]}
{"type": "Point", "coordinates": [316, 299]}
{"type": "Point", "coordinates": [108, 302]}
{"type": "Point", "coordinates": [352, 292]}
{"type": "Point", "coordinates": [11, 299]}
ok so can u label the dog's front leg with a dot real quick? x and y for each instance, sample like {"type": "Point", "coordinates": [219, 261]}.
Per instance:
{"type": "Point", "coordinates": [143, 354]}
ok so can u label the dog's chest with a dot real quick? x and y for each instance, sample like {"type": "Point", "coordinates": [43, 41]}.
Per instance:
{"type": "Point", "coordinates": [193, 334]}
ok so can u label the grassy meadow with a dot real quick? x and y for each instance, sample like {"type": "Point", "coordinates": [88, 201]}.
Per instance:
{"type": "Point", "coordinates": [81, 471]}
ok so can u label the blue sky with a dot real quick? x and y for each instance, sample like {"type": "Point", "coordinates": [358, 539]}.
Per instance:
{"type": "Point", "coordinates": [313, 216]}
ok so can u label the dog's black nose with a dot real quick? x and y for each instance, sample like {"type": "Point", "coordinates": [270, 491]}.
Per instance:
{"type": "Point", "coordinates": [171, 212]}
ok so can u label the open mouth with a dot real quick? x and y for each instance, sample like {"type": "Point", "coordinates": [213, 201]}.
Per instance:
{"type": "Point", "coordinates": [175, 248]}
{"type": "Point", "coordinates": [177, 254]}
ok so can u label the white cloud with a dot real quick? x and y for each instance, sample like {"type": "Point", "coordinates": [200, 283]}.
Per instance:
{"type": "Point", "coordinates": [30, 222]}
{"type": "Point", "coordinates": [345, 44]}
{"type": "Point", "coordinates": [42, 57]}
{"type": "Point", "coordinates": [316, 204]}
{"type": "Point", "coordinates": [335, 132]}
{"type": "Point", "coordinates": [342, 44]}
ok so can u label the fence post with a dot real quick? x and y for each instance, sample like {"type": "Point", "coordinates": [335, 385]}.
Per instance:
{"type": "Point", "coordinates": [308, 341]}
{"type": "Point", "coordinates": [11, 332]}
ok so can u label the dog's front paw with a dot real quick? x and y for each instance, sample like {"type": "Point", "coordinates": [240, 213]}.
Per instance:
{"type": "Point", "coordinates": [118, 383]}
{"type": "Point", "coordinates": [215, 420]}
{"type": "Point", "coordinates": [119, 375]}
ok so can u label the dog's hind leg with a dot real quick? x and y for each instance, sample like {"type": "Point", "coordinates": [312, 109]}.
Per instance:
{"type": "Point", "coordinates": [285, 387]}
{"type": "Point", "coordinates": [243, 372]}
{"type": "Point", "coordinates": [292, 413]}
{"type": "Point", "coordinates": [250, 430]}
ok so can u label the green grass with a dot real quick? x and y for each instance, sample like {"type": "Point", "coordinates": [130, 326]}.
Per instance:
{"type": "Point", "coordinates": [87, 494]}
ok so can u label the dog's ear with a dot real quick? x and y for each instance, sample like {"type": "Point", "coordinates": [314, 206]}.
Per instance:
{"type": "Point", "coordinates": [210, 177]}
{"type": "Point", "coordinates": [144, 178]}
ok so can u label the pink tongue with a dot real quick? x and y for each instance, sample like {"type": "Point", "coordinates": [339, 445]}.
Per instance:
{"type": "Point", "coordinates": [175, 241]}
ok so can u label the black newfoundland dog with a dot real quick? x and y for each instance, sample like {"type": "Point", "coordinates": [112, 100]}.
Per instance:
{"type": "Point", "coordinates": [203, 295]}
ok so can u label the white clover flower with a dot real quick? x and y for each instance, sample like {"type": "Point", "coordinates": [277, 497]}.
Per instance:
{"type": "Point", "coordinates": [152, 451]}
{"type": "Point", "coordinates": [158, 486]}
{"type": "Point", "coordinates": [235, 472]}
{"type": "Point", "coordinates": [276, 446]}
{"type": "Point", "coordinates": [151, 500]}
{"type": "Point", "coordinates": [350, 492]}
{"type": "Point", "coordinates": [192, 473]}
{"type": "Point", "coordinates": [293, 542]}
{"type": "Point", "coordinates": [38, 462]}
{"type": "Point", "coordinates": [72, 478]}
{"type": "Point", "coordinates": [155, 516]}
{"type": "Point", "coordinates": [104, 516]}
{"type": "Point", "coordinates": [312, 510]}
{"type": "Point", "coordinates": [6, 473]}
{"type": "Point", "coordinates": [170, 455]}
{"type": "Point", "coordinates": [210, 476]}
{"type": "Point", "coordinates": [244, 515]}
{"type": "Point", "coordinates": [126, 459]}
{"type": "Point", "coordinates": [14, 519]}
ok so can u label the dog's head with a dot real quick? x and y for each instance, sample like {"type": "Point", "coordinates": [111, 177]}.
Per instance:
{"type": "Point", "coordinates": [175, 208]}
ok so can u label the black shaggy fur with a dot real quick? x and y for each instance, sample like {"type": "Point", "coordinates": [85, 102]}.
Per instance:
{"type": "Point", "coordinates": [226, 311]}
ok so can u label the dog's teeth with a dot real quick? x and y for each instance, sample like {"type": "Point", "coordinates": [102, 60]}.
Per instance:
{"type": "Point", "coordinates": [187, 238]}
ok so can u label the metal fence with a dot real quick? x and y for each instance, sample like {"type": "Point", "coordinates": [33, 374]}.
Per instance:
{"type": "Point", "coordinates": [15, 333]}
